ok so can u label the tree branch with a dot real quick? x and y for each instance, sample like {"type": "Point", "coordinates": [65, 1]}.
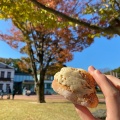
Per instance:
{"type": "Point", "coordinates": [108, 30]}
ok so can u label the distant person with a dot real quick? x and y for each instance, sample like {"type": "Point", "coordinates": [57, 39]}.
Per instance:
{"type": "Point", "coordinates": [24, 91]}
{"type": "Point", "coordinates": [8, 92]}
{"type": "Point", "coordinates": [2, 93]}
{"type": "Point", "coordinates": [13, 93]}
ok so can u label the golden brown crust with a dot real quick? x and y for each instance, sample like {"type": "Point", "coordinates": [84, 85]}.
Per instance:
{"type": "Point", "coordinates": [92, 100]}
{"type": "Point", "coordinates": [90, 80]}
{"type": "Point", "coordinates": [87, 98]}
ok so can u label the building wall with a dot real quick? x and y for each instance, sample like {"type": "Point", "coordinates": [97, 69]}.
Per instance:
{"type": "Point", "coordinates": [21, 77]}
{"type": "Point", "coordinates": [28, 82]}
{"type": "Point", "coordinates": [5, 85]}
{"type": "Point", "coordinates": [22, 80]}
{"type": "Point", "coordinates": [5, 81]}
{"type": "Point", "coordinates": [47, 84]}
{"type": "Point", "coordinates": [6, 71]}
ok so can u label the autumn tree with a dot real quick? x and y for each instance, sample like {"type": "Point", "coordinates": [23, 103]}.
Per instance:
{"type": "Point", "coordinates": [25, 65]}
{"type": "Point", "coordinates": [47, 38]}
{"type": "Point", "coordinates": [45, 48]}
{"type": "Point", "coordinates": [102, 16]}
{"type": "Point", "coordinates": [54, 68]}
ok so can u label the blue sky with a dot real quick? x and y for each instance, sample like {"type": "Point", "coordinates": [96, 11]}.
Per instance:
{"type": "Point", "coordinates": [103, 53]}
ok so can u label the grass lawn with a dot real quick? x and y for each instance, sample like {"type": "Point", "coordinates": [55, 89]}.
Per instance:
{"type": "Point", "coordinates": [100, 95]}
{"type": "Point", "coordinates": [31, 110]}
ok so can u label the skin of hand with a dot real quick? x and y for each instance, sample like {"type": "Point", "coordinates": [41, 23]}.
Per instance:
{"type": "Point", "coordinates": [110, 87]}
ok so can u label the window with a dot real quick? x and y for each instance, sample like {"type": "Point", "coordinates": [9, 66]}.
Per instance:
{"type": "Point", "coordinates": [1, 86]}
{"type": "Point", "coordinates": [2, 74]}
{"type": "Point", "coordinates": [52, 77]}
{"type": "Point", "coordinates": [9, 75]}
{"type": "Point", "coordinates": [45, 86]}
{"type": "Point", "coordinates": [48, 86]}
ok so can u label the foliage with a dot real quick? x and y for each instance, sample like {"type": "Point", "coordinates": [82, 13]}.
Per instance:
{"type": "Point", "coordinates": [114, 72]}
{"type": "Point", "coordinates": [11, 62]}
{"type": "Point", "coordinates": [103, 16]}
{"type": "Point", "coordinates": [117, 70]}
{"type": "Point", "coordinates": [54, 68]}
{"type": "Point", "coordinates": [25, 65]}
{"type": "Point", "coordinates": [24, 10]}
{"type": "Point", "coordinates": [18, 64]}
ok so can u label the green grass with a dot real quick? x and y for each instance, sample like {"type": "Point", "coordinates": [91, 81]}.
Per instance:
{"type": "Point", "coordinates": [100, 95]}
{"type": "Point", "coordinates": [31, 110]}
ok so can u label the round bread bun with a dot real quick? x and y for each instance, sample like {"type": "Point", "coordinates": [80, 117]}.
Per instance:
{"type": "Point", "coordinates": [76, 85]}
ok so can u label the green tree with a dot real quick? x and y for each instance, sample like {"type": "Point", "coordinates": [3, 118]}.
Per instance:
{"type": "Point", "coordinates": [20, 65]}
{"type": "Point", "coordinates": [117, 70]}
{"type": "Point", "coordinates": [11, 62]}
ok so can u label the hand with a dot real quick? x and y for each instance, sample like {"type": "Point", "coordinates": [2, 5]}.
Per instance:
{"type": "Point", "coordinates": [110, 87]}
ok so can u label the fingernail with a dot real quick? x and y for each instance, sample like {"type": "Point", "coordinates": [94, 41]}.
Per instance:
{"type": "Point", "coordinates": [91, 68]}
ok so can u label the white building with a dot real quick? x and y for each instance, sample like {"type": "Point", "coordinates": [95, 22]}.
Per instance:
{"type": "Point", "coordinates": [6, 76]}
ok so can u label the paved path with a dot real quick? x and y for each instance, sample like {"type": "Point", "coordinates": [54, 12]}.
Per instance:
{"type": "Point", "coordinates": [34, 97]}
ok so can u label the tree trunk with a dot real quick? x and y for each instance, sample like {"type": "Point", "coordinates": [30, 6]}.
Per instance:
{"type": "Point", "coordinates": [40, 89]}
